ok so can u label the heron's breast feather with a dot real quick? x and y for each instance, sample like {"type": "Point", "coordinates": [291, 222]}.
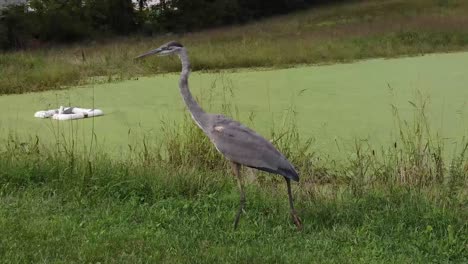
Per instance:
{"type": "Point", "coordinates": [219, 128]}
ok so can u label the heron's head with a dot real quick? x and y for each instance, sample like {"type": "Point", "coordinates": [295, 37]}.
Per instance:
{"type": "Point", "coordinates": [166, 49]}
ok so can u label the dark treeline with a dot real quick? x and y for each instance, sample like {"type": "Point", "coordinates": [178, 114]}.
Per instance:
{"type": "Point", "coordinates": [38, 21]}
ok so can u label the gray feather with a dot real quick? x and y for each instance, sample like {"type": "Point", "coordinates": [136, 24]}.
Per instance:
{"type": "Point", "coordinates": [242, 145]}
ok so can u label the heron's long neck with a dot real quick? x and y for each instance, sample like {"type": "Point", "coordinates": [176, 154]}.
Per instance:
{"type": "Point", "coordinates": [196, 111]}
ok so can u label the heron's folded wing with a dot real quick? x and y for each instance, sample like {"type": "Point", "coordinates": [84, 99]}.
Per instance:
{"type": "Point", "coordinates": [243, 145]}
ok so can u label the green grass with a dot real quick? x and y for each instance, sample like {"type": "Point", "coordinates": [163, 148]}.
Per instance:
{"type": "Point", "coordinates": [334, 104]}
{"type": "Point", "coordinates": [56, 207]}
{"type": "Point", "coordinates": [333, 33]}
{"type": "Point", "coordinates": [396, 228]}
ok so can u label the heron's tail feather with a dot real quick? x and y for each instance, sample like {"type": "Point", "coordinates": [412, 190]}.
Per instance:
{"type": "Point", "coordinates": [289, 173]}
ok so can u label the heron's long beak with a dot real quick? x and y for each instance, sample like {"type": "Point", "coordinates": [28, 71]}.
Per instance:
{"type": "Point", "coordinates": [151, 52]}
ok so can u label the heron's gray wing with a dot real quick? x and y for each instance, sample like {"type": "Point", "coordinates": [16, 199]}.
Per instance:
{"type": "Point", "coordinates": [244, 146]}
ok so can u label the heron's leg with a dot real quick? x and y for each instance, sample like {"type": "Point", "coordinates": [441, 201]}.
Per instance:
{"type": "Point", "coordinates": [240, 183]}
{"type": "Point", "coordinates": [297, 221]}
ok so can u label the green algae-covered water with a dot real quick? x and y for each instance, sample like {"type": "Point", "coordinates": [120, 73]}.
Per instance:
{"type": "Point", "coordinates": [334, 104]}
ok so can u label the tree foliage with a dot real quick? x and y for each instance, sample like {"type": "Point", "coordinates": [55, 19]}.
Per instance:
{"type": "Point", "coordinates": [71, 20]}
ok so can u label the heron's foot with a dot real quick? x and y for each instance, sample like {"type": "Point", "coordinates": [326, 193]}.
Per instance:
{"type": "Point", "coordinates": [297, 220]}
{"type": "Point", "coordinates": [238, 215]}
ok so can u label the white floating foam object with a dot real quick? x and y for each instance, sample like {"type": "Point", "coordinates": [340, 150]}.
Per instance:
{"type": "Point", "coordinates": [69, 113]}
{"type": "Point", "coordinates": [45, 114]}
{"type": "Point", "coordinates": [67, 116]}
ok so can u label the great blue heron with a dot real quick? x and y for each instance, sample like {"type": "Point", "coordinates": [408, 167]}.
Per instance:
{"type": "Point", "coordinates": [238, 143]}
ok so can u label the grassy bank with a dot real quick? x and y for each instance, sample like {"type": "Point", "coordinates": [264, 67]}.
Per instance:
{"type": "Point", "coordinates": [327, 34]}
{"type": "Point", "coordinates": [138, 224]}
{"type": "Point", "coordinates": [57, 205]}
